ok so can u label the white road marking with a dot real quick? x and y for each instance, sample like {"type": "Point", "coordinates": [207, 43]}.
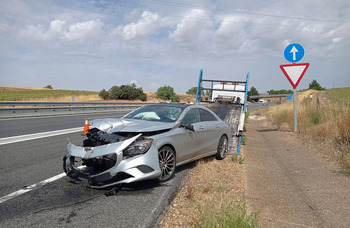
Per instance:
{"type": "Point", "coordinates": [22, 138]}
{"type": "Point", "coordinates": [30, 188]}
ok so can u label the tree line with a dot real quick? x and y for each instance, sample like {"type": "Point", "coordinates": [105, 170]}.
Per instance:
{"type": "Point", "coordinates": [132, 92]}
{"type": "Point", "coordinates": [314, 85]}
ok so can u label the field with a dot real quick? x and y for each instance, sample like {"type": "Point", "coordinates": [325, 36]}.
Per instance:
{"type": "Point", "coordinates": [8, 93]}
{"type": "Point", "coordinates": [42, 94]}
{"type": "Point", "coordinates": [323, 123]}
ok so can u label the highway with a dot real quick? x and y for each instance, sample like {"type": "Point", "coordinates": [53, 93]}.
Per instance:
{"type": "Point", "coordinates": [35, 193]}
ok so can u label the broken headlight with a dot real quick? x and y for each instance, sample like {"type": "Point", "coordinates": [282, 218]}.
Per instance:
{"type": "Point", "coordinates": [137, 148]}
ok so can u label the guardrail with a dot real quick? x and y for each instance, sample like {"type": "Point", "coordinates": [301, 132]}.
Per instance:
{"type": "Point", "coordinates": [39, 108]}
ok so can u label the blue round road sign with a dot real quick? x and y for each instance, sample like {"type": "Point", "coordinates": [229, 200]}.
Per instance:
{"type": "Point", "coordinates": [294, 52]}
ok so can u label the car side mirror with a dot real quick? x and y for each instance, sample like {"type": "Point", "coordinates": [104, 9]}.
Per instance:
{"type": "Point", "coordinates": [188, 126]}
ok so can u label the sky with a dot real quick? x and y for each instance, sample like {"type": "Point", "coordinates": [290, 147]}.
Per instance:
{"type": "Point", "coordinates": [96, 44]}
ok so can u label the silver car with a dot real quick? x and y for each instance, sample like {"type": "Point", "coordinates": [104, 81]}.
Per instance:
{"type": "Point", "coordinates": [147, 143]}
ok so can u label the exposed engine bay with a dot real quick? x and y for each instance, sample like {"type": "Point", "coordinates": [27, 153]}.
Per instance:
{"type": "Point", "coordinates": [96, 137]}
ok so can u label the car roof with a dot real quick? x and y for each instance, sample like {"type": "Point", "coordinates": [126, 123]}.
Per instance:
{"type": "Point", "coordinates": [182, 105]}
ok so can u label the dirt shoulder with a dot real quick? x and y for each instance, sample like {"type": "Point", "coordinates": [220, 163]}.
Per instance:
{"type": "Point", "coordinates": [289, 185]}
{"type": "Point", "coordinates": [208, 185]}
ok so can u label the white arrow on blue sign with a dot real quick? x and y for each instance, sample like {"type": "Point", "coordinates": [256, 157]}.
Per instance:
{"type": "Point", "coordinates": [294, 52]}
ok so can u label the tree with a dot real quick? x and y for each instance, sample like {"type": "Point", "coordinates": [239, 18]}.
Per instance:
{"type": "Point", "coordinates": [125, 92]}
{"type": "Point", "coordinates": [193, 91]}
{"type": "Point", "coordinates": [114, 92]}
{"type": "Point", "coordinates": [281, 91]}
{"type": "Point", "coordinates": [48, 87]}
{"type": "Point", "coordinates": [104, 94]}
{"type": "Point", "coordinates": [167, 93]}
{"type": "Point", "coordinates": [253, 91]}
{"type": "Point", "coordinates": [315, 85]}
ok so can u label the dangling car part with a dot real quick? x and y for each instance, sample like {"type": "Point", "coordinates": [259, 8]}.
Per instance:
{"type": "Point", "coordinates": [148, 143]}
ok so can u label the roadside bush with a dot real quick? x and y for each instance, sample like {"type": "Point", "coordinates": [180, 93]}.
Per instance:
{"type": "Point", "coordinates": [48, 87]}
{"type": "Point", "coordinates": [192, 91]}
{"type": "Point", "coordinates": [104, 94]}
{"type": "Point", "coordinates": [167, 93]}
{"type": "Point", "coordinates": [124, 92]}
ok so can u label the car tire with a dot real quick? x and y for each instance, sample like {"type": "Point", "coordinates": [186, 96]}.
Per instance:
{"type": "Point", "coordinates": [222, 148]}
{"type": "Point", "coordinates": [167, 163]}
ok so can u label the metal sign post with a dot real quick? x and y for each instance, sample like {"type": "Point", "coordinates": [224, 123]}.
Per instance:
{"type": "Point", "coordinates": [295, 110]}
{"type": "Point", "coordinates": [294, 72]}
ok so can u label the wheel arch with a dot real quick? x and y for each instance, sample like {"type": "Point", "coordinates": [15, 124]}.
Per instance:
{"type": "Point", "coordinates": [169, 145]}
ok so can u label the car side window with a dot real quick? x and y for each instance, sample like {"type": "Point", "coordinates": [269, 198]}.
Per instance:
{"type": "Point", "coordinates": [206, 116]}
{"type": "Point", "coordinates": [193, 116]}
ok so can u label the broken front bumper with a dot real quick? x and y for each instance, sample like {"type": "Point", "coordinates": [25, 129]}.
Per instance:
{"type": "Point", "coordinates": [107, 165]}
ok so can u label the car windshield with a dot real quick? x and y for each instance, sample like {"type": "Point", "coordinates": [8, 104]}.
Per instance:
{"type": "Point", "coordinates": [162, 113]}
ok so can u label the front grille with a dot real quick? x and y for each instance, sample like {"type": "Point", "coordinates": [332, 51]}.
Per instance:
{"type": "Point", "coordinates": [101, 164]}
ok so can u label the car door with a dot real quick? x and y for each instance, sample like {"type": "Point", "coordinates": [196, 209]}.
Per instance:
{"type": "Point", "coordinates": [191, 142]}
{"type": "Point", "coordinates": [213, 132]}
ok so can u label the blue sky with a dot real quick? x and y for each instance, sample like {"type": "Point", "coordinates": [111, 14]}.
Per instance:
{"type": "Point", "coordinates": [94, 45]}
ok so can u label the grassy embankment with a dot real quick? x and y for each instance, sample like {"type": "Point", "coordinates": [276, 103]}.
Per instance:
{"type": "Point", "coordinates": [212, 196]}
{"type": "Point", "coordinates": [324, 123]}
{"type": "Point", "coordinates": [42, 94]}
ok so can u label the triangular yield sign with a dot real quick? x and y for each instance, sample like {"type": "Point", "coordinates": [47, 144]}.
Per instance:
{"type": "Point", "coordinates": [294, 72]}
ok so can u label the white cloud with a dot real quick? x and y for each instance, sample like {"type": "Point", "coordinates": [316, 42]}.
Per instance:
{"type": "Point", "coordinates": [145, 26]}
{"type": "Point", "coordinates": [82, 30]}
{"type": "Point", "coordinates": [231, 33]}
{"type": "Point", "coordinates": [57, 25]}
{"type": "Point", "coordinates": [191, 27]}
{"type": "Point", "coordinates": [59, 30]}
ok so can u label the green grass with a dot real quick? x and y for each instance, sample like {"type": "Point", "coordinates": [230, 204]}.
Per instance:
{"type": "Point", "coordinates": [244, 140]}
{"type": "Point", "coordinates": [231, 214]}
{"type": "Point", "coordinates": [238, 159]}
{"type": "Point", "coordinates": [340, 95]}
{"type": "Point", "coordinates": [20, 95]}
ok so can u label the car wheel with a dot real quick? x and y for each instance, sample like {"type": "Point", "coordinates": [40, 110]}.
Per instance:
{"type": "Point", "coordinates": [222, 148]}
{"type": "Point", "coordinates": [167, 162]}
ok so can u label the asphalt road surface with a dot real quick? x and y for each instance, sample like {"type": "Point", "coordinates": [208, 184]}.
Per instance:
{"type": "Point", "coordinates": [34, 192]}
{"type": "Point", "coordinates": [24, 165]}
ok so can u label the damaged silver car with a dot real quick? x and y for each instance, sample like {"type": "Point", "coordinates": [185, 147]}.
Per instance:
{"type": "Point", "coordinates": [148, 143]}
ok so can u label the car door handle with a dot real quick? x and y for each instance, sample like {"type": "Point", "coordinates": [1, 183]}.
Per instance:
{"type": "Point", "coordinates": [201, 127]}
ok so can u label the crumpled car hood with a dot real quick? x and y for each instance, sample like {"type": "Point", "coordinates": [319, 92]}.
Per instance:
{"type": "Point", "coordinates": [111, 125]}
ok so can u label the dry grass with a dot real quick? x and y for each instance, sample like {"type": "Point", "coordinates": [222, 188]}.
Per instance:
{"type": "Point", "coordinates": [78, 98]}
{"type": "Point", "coordinates": [43, 94]}
{"type": "Point", "coordinates": [16, 88]}
{"type": "Point", "coordinates": [152, 97]}
{"type": "Point", "coordinates": [9, 93]}
{"type": "Point", "coordinates": [211, 197]}
{"type": "Point", "coordinates": [323, 123]}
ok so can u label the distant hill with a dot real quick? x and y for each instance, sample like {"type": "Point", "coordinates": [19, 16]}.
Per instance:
{"type": "Point", "coordinates": [20, 88]}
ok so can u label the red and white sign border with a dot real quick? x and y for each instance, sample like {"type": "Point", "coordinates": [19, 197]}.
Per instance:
{"type": "Point", "coordinates": [293, 65]}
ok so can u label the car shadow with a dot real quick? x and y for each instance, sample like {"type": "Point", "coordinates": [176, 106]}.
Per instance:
{"type": "Point", "coordinates": [150, 184]}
